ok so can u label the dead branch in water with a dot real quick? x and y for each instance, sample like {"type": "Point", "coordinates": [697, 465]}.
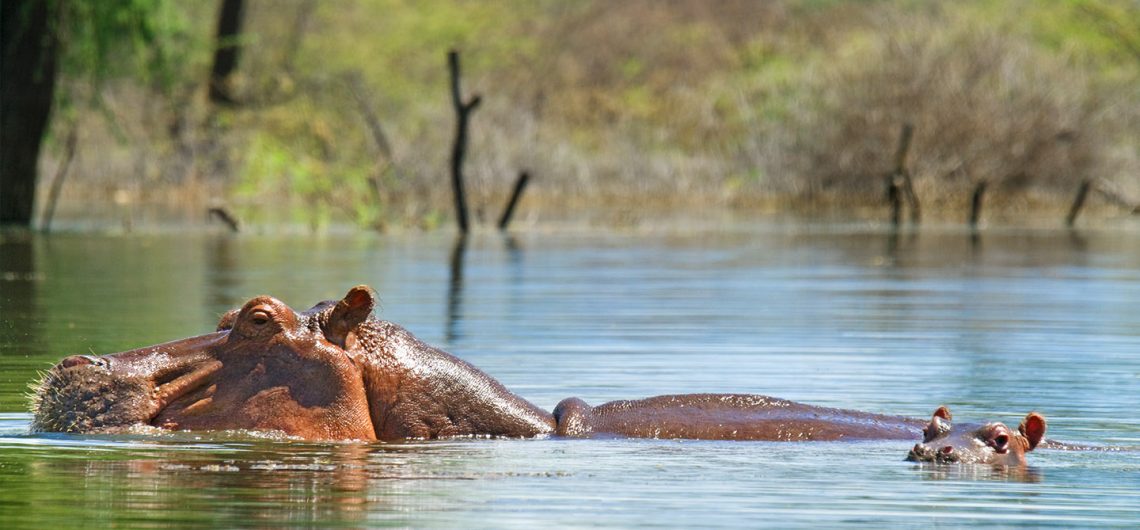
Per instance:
{"type": "Point", "coordinates": [976, 203]}
{"type": "Point", "coordinates": [224, 216]}
{"type": "Point", "coordinates": [60, 174]}
{"type": "Point", "coordinates": [520, 185]}
{"type": "Point", "coordinates": [900, 185]}
{"type": "Point", "coordinates": [1105, 189]}
{"type": "Point", "coordinates": [1078, 203]}
{"type": "Point", "coordinates": [459, 149]}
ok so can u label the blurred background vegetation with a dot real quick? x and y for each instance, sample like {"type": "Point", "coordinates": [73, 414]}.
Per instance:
{"type": "Point", "coordinates": [339, 112]}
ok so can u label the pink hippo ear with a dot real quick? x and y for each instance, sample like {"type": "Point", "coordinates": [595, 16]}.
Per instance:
{"type": "Point", "coordinates": [939, 424]}
{"type": "Point", "coordinates": [1033, 429]}
{"type": "Point", "coordinates": [350, 312]}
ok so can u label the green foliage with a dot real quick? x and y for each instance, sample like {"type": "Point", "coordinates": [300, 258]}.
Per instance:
{"type": "Point", "coordinates": [400, 46]}
{"type": "Point", "coordinates": [293, 164]}
{"type": "Point", "coordinates": [151, 40]}
{"type": "Point", "coordinates": [1102, 33]}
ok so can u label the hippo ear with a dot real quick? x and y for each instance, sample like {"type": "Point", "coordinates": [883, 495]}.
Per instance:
{"type": "Point", "coordinates": [939, 424]}
{"type": "Point", "coordinates": [355, 308]}
{"type": "Point", "coordinates": [1033, 429]}
{"type": "Point", "coordinates": [228, 319]}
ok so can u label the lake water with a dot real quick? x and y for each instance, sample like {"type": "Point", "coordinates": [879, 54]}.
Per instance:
{"type": "Point", "coordinates": [836, 315]}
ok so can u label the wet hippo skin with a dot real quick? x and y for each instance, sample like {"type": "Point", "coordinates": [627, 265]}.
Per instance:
{"type": "Point", "coordinates": [335, 372]}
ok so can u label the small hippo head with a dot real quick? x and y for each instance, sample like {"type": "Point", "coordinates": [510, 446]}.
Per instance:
{"type": "Point", "coordinates": [267, 367]}
{"type": "Point", "coordinates": [977, 443]}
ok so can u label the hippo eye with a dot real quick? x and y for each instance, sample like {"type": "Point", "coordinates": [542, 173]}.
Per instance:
{"type": "Point", "coordinates": [260, 318]}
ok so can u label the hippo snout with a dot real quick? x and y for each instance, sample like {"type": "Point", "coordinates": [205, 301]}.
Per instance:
{"type": "Point", "coordinates": [925, 453]}
{"type": "Point", "coordinates": [82, 394]}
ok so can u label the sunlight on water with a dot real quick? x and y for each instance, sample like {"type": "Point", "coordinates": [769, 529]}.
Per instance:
{"type": "Point", "coordinates": [836, 316]}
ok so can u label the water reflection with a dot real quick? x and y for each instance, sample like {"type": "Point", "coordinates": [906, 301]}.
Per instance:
{"type": "Point", "coordinates": [835, 316]}
{"type": "Point", "coordinates": [221, 271]}
{"type": "Point", "coordinates": [19, 278]}
{"type": "Point", "coordinates": [271, 485]}
{"type": "Point", "coordinates": [971, 472]}
{"type": "Point", "coordinates": [455, 288]}
{"type": "Point", "coordinates": [909, 247]}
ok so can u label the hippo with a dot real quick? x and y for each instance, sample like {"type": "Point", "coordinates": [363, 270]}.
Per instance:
{"type": "Point", "coordinates": [335, 372]}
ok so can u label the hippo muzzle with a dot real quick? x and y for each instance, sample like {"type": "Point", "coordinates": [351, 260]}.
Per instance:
{"type": "Point", "coordinates": [114, 393]}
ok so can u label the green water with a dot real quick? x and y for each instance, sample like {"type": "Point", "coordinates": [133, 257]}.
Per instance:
{"type": "Point", "coordinates": [842, 316]}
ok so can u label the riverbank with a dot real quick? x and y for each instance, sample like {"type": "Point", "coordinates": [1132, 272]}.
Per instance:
{"type": "Point", "coordinates": [162, 210]}
{"type": "Point", "coordinates": [784, 107]}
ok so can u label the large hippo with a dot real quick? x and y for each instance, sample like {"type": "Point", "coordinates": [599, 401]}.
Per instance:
{"type": "Point", "coordinates": [335, 372]}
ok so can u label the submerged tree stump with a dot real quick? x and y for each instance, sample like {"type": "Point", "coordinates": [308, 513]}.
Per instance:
{"type": "Point", "coordinates": [1105, 189]}
{"type": "Point", "coordinates": [459, 148]}
{"type": "Point", "coordinates": [520, 185]}
{"type": "Point", "coordinates": [976, 203]}
{"type": "Point", "coordinates": [225, 217]}
{"type": "Point", "coordinates": [900, 185]}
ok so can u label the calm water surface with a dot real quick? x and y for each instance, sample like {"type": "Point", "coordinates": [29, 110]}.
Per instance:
{"type": "Point", "coordinates": [841, 316]}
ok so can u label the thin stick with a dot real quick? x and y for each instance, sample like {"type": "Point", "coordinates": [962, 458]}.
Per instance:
{"type": "Point", "coordinates": [363, 100]}
{"type": "Point", "coordinates": [1078, 202]}
{"type": "Point", "coordinates": [894, 197]}
{"type": "Point", "coordinates": [976, 203]}
{"type": "Point", "coordinates": [60, 174]}
{"type": "Point", "coordinates": [224, 216]}
{"type": "Point", "coordinates": [459, 149]}
{"type": "Point", "coordinates": [905, 136]}
{"type": "Point", "coordinates": [912, 197]}
{"type": "Point", "coordinates": [520, 185]}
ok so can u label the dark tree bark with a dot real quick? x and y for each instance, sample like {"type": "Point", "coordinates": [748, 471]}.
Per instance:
{"type": "Point", "coordinates": [226, 51]}
{"type": "Point", "coordinates": [28, 51]}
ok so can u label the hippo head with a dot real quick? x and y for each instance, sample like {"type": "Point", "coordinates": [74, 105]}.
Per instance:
{"type": "Point", "coordinates": [988, 443]}
{"type": "Point", "coordinates": [266, 367]}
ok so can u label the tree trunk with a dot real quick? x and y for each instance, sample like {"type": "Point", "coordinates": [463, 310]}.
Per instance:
{"type": "Point", "coordinates": [28, 51]}
{"type": "Point", "coordinates": [226, 51]}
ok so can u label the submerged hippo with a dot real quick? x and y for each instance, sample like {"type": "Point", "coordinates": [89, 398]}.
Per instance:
{"type": "Point", "coordinates": [334, 372]}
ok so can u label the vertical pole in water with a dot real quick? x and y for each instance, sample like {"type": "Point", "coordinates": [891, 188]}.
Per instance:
{"type": "Point", "coordinates": [899, 182]}
{"type": "Point", "coordinates": [520, 185]}
{"type": "Point", "coordinates": [1078, 203]}
{"type": "Point", "coordinates": [459, 148]}
{"type": "Point", "coordinates": [60, 174]}
{"type": "Point", "coordinates": [976, 203]}
{"type": "Point", "coordinates": [895, 199]}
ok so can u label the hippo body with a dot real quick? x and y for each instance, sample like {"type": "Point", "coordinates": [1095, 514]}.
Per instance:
{"type": "Point", "coordinates": [334, 372]}
{"type": "Point", "coordinates": [728, 417]}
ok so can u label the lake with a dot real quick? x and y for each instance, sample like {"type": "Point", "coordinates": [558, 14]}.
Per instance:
{"type": "Point", "coordinates": [842, 315]}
